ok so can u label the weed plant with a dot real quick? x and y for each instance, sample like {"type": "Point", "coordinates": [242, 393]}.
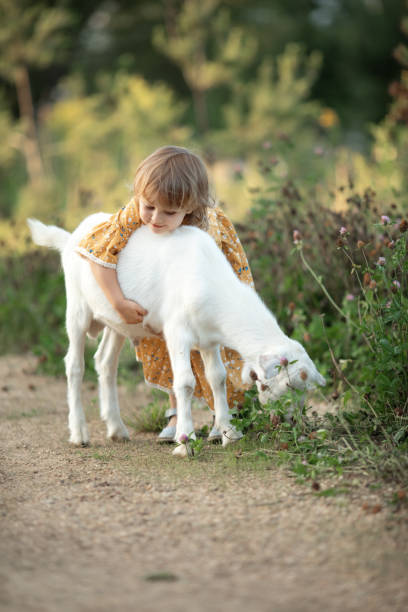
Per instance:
{"type": "Point", "coordinates": [345, 297]}
{"type": "Point", "coordinates": [151, 418]}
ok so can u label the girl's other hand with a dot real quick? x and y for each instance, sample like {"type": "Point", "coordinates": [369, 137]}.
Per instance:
{"type": "Point", "coordinates": [130, 311]}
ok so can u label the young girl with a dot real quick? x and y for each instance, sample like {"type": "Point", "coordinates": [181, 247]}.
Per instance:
{"type": "Point", "coordinates": [170, 189]}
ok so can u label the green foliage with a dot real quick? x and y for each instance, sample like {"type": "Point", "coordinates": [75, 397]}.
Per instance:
{"type": "Point", "coordinates": [32, 306]}
{"type": "Point", "coordinates": [348, 304]}
{"type": "Point", "coordinates": [303, 441]}
{"type": "Point", "coordinates": [207, 47]}
{"type": "Point", "coordinates": [381, 319]}
{"type": "Point", "coordinates": [151, 418]}
{"type": "Point", "coordinates": [30, 35]}
{"type": "Point", "coordinates": [94, 143]}
{"type": "Point", "coordinates": [276, 102]}
{"type": "Point", "coordinates": [32, 314]}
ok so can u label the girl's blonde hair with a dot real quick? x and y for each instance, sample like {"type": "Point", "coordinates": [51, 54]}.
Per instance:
{"type": "Point", "coordinates": [176, 178]}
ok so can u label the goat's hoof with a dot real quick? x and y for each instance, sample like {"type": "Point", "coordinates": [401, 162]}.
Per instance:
{"type": "Point", "coordinates": [80, 443]}
{"type": "Point", "coordinates": [180, 451]}
{"type": "Point", "coordinates": [119, 436]}
{"type": "Point", "coordinates": [231, 435]}
{"type": "Point", "coordinates": [79, 435]}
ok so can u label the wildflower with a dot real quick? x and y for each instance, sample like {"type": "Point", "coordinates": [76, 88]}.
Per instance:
{"type": "Point", "coordinates": [349, 297]}
{"type": "Point", "coordinates": [388, 304]}
{"type": "Point", "coordinates": [381, 261]}
{"type": "Point", "coordinates": [372, 284]}
{"type": "Point", "coordinates": [385, 220]}
{"type": "Point", "coordinates": [396, 285]}
{"type": "Point", "coordinates": [183, 438]}
{"type": "Point", "coordinates": [343, 230]}
{"type": "Point", "coordinates": [297, 236]}
{"type": "Point", "coordinates": [275, 420]}
{"type": "Point", "coordinates": [328, 118]}
{"type": "Point", "coordinates": [366, 279]}
{"type": "Point", "coordinates": [339, 242]}
{"type": "Point", "coordinates": [360, 244]}
{"type": "Point", "coordinates": [284, 362]}
{"type": "Point", "coordinates": [403, 226]}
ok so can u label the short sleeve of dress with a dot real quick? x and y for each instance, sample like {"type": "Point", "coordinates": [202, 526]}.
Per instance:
{"type": "Point", "coordinates": [227, 239]}
{"type": "Point", "coordinates": [107, 239]}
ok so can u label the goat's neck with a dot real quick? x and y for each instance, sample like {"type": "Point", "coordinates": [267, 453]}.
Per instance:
{"type": "Point", "coordinates": [247, 325]}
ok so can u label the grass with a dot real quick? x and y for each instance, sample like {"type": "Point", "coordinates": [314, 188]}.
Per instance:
{"type": "Point", "coordinates": [151, 417]}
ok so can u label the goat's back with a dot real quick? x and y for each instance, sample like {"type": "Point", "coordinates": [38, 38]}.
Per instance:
{"type": "Point", "coordinates": [180, 273]}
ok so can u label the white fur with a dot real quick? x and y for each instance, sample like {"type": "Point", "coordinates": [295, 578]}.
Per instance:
{"type": "Point", "coordinates": [193, 297]}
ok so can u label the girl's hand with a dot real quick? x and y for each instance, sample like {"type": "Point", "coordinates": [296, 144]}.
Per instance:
{"type": "Point", "coordinates": [131, 312]}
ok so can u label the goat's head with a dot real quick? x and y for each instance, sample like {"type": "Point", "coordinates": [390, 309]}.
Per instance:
{"type": "Point", "coordinates": [288, 367]}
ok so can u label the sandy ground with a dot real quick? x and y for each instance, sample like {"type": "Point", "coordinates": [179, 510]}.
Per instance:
{"type": "Point", "coordinates": [129, 527]}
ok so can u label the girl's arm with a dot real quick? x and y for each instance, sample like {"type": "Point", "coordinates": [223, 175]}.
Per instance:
{"type": "Point", "coordinates": [131, 312]}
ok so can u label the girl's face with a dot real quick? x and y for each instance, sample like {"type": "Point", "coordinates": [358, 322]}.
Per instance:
{"type": "Point", "coordinates": [160, 219]}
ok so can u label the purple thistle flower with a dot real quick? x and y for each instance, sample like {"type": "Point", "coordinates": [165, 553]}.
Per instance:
{"type": "Point", "coordinates": [396, 284]}
{"type": "Point", "coordinates": [385, 220]}
{"type": "Point", "coordinates": [284, 362]}
{"type": "Point", "coordinates": [381, 261]}
{"type": "Point", "coordinates": [343, 230]}
{"type": "Point", "coordinates": [183, 438]}
{"type": "Point", "coordinates": [349, 297]}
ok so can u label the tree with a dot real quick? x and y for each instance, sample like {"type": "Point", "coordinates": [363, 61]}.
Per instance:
{"type": "Point", "coordinates": [30, 37]}
{"type": "Point", "coordinates": [201, 40]}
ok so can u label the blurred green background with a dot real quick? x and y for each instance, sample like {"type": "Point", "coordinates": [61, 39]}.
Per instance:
{"type": "Point", "coordinates": [297, 107]}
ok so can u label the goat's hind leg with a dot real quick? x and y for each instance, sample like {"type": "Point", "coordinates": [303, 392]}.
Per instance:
{"type": "Point", "coordinates": [106, 365]}
{"type": "Point", "coordinates": [77, 323]}
{"type": "Point", "coordinates": [216, 375]}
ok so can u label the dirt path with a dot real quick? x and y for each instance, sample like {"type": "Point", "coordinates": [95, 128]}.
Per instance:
{"type": "Point", "coordinates": [128, 527]}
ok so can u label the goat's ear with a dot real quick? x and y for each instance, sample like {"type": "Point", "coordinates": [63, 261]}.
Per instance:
{"type": "Point", "coordinates": [269, 365]}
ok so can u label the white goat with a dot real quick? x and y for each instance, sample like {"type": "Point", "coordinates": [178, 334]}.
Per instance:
{"type": "Point", "coordinates": [193, 297]}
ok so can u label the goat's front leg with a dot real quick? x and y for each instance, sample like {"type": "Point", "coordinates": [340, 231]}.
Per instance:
{"type": "Point", "coordinates": [106, 365]}
{"type": "Point", "coordinates": [179, 346]}
{"type": "Point", "coordinates": [215, 373]}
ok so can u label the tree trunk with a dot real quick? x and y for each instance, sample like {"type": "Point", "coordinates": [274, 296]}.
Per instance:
{"type": "Point", "coordinates": [200, 110]}
{"type": "Point", "coordinates": [31, 149]}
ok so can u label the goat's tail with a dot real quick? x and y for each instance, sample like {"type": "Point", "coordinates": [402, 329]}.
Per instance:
{"type": "Point", "coordinates": [48, 235]}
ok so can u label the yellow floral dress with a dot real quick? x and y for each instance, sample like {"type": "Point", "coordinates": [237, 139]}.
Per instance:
{"type": "Point", "coordinates": [104, 244]}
